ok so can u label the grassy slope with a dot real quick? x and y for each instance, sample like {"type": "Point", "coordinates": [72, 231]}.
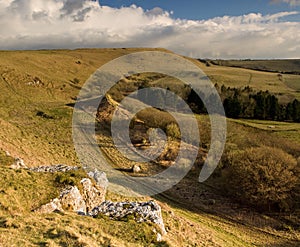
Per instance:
{"type": "Point", "coordinates": [48, 141]}
{"type": "Point", "coordinates": [278, 65]}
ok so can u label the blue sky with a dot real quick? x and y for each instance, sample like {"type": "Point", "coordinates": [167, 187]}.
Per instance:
{"type": "Point", "coordinates": [198, 9]}
{"type": "Point", "coordinates": [202, 29]}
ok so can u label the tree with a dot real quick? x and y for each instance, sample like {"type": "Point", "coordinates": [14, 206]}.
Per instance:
{"type": "Point", "coordinates": [195, 102]}
{"type": "Point", "coordinates": [264, 177]}
{"type": "Point", "coordinates": [260, 108]}
{"type": "Point", "coordinates": [232, 107]}
{"type": "Point", "coordinates": [296, 111]}
{"type": "Point", "coordinates": [272, 107]}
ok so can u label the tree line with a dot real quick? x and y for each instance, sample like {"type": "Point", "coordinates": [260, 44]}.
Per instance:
{"type": "Point", "coordinates": [247, 103]}
{"type": "Point", "coordinates": [238, 102]}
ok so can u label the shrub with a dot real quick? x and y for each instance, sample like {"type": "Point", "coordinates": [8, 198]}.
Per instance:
{"type": "Point", "coordinates": [173, 131]}
{"type": "Point", "coordinates": [65, 179]}
{"type": "Point", "coordinates": [264, 177]}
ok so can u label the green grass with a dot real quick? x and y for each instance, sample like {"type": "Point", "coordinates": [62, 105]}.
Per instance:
{"type": "Point", "coordinates": [292, 81]}
{"type": "Point", "coordinates": [285, 130]}
{"type": "Point", "coordinates": [258, 80]}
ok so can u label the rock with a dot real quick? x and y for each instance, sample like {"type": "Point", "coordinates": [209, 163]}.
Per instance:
{"type": "Point", "coordinates": [142, 211]}
{"type": "Point", "coordinates": [54, 168]}
{"type": "Point", "coordinates": [136, 169]}
{"type": "Point", "coordinates": [50, 207]}
{"type": "Point", "coordinates": [158, 237]}
{"type": "Point", "coordinates": [92, 195]}
{"type": "Point", "coordinates": [18, 164]}
{"type": "Point", "coordinates": [71, 199]}
{"type": "Point", "coordinates": [100, 178]}
{"type": "Point", "coordinates": [7, 153]}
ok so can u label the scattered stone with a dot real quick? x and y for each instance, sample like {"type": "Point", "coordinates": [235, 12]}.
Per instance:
{"type": "Point", "coordinates": [18, 164]}
{"type": "Point", "coordinates": [7, 154]}
{"type": "Point", "coordinates": [54, 168]}
{"type": "Point", "coordinates": [35, 82]}
{"type": "Point", "coordinates": [136, 169]}
{"type": "Point", "coordinates": [142, 211]}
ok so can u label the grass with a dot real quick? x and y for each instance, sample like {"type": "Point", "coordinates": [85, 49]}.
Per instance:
{"type": "Point", "coordinates": [43, 139]}
{"type": "Point", "coordinates": [23, 191]}
{"type": "Point", "coordinates": [72, 230]}
{"type": "Point", "coordinates": [284, 65]}
{"type": "Point", "coordinates": [258, 80]}
{"type": "Point", "coordinates": [285, 130]}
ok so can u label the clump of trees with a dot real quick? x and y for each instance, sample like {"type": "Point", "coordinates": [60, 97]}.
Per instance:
{"type": "Point", "coordinates": [264, 177]}
{"type": "Point", "coordinates": [247, 103]}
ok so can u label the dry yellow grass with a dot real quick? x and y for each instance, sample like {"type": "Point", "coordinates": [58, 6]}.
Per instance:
{"type": "Point", "coordinates": [42, 140]}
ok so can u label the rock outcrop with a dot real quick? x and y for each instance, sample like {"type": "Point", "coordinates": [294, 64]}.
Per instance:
{"type": "Point", "coordinates": [72, 199]}
{"type": "Point", "coordinates": [100, 178]}
{"type": "Point", "coordinates": [141, 211]}
{"type": "Point", "coordinates": [90, 201]}
{"type": "Point", "coordinates": [50, 207]}
{"type": "Point", "coordinates": [93, 195]}
{"type": "Point", "coordinates": [54, 168]}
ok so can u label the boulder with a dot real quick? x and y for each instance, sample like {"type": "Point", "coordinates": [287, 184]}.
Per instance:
{"type": "Point", "coordinates": [18, 164]}
{"type": "Point", "coordinates": [50, 207]}
{"type": "Point", "coordinates": [71, 199]}
{"type": "Point", "coordinates": [136, 169]}
{"type": "Point", "coordinates": [93, 195]}
{"type": "Point", "coordinates": [100, 178]}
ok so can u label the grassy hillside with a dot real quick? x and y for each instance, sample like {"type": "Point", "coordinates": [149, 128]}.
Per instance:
{"type": "Point", "coordinates": [280, 66]}
{"type": "Point", "coordinates": [36, 88]}
{"type": "Point", "coordinates": [279, 76]}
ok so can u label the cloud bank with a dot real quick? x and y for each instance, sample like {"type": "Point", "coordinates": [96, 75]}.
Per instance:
{"type": "Point", "coordinates": [38, 24]}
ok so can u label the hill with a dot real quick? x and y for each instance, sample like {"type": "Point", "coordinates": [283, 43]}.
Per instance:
{"type": "Point", "coordinates": [284, 66]}
{"type": "Point", "coordinates": [37, 91]}
{"type": "Point", "coordinates": [274, 75]}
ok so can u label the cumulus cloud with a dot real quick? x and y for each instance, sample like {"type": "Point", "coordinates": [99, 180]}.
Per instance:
{"type": "Point", "coordinates": [35, 24]}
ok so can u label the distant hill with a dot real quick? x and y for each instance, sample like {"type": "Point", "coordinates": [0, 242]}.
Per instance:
{"type": "Point", "coordinates": [284, 66]}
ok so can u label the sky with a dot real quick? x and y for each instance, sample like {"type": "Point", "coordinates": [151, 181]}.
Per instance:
{"type": "Point", "coordinates": [196, 28]}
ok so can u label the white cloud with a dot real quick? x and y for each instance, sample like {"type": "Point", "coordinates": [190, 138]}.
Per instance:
{"type": "Point", "coordinates": [33, 24]}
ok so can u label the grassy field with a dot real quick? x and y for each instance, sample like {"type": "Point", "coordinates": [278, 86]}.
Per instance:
{"type": "Point", "coordinates": [280, 66]}
{"type": "Point", "coordinates": [36, 125]}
